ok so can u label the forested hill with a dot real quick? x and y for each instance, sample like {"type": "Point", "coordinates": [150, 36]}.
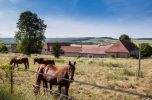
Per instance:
{"type": "Point", "coordinates": [86, 40]}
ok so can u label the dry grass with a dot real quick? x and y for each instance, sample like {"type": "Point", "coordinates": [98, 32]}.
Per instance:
{"type": "Point", "coordinates": [115, 73]}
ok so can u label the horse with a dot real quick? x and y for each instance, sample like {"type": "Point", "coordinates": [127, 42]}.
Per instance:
{"type": "Point", "coordinates": [55, 76]}
{"type": "Point", "coordinates": [20, 60]}
{"type": "Point", "coordinates": [43, 61]}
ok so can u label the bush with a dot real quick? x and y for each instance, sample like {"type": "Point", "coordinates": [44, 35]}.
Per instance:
{"type": "Point", "coordinates": [146, 50]}
{"type": "Point", "coordinates": [3, 48]}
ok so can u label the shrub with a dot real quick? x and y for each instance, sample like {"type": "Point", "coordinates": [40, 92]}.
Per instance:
{"type": "Point", "coordinates": [56, 50]}
{"type": "Point", "coordinates": [146, 50]}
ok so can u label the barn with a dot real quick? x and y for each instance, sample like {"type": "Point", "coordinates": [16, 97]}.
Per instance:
{"type": "Point", "coordinates": [122, 49]}
{"type": "Point", "coordinates": [71, 51]}
{"type": "Point", "coordinates": [94, 51]}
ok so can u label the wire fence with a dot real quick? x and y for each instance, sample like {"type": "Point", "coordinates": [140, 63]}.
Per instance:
{"type": "Point", "coordinates": [102, 87]}
{"type": "Point", "coordinates": [43, 96]}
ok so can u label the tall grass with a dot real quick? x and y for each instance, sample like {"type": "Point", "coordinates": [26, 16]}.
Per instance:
{"type": "Point", "coordinates": [114, 73]}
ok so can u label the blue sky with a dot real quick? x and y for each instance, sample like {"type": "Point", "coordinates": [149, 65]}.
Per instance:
{"type": "Point", "coordinates": [82, 18]}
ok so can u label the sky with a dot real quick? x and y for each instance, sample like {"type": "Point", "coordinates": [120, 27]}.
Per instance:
{"type": "Point", "coordinates": [82, 18]}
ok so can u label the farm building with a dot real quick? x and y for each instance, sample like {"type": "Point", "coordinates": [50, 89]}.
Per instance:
{"type": "Point", "coordinates": [71, 51]}
{"type": "Point", "coordinates": [122, 49]}
{"type": "Point", "coordinates": [48, 46]}
{"type": "Point", "coordinates": [94, 51]}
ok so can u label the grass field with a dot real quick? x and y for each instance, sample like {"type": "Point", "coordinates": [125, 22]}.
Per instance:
{"type": "Point", "coordinates": [114, 73]}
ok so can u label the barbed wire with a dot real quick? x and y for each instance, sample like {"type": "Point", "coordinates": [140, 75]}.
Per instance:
{"type": "Point", "coordinates": [99, 86]}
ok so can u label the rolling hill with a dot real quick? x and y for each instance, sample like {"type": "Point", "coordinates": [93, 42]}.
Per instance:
{"type": "Point", "coordinates": [87, 40]}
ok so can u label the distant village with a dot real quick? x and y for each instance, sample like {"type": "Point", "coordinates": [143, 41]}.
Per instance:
{"type": "Point", "coordinates": [120, 49]}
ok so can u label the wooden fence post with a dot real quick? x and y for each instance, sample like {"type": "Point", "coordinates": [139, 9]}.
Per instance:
{"type": "Point", "coordinates": [11, 72]}
{"type": "Point", "coordinates": [139, 73]}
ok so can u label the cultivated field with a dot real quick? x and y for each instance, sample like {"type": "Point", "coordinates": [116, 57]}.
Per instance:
{"type": "Point", "coordinates": [114, 73]}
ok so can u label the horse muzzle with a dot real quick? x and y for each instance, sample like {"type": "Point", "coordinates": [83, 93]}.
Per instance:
{"type": "Point", "coordinates": [36, 89]}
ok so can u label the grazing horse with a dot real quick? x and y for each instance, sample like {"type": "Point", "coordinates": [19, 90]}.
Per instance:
{"type": "Point", "coordinates": [55, 76]}
{"type": "Point", "coordinates": [43, 61]}
{"type": "Point", "coordinates": [20, 60]}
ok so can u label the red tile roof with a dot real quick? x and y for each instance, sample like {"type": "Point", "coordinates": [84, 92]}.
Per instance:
{"type": "Point", "coordinates": [71, 49]}
{"type": "Point", "coordinates": [94, 49]}
{"type": "Point", "coordinates": [122, 46]}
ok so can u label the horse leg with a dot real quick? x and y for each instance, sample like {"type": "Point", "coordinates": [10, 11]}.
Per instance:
{"type": "Point", "coordinates": [25, 66]}
{"type": "Point", "coordinates": [14, 66]}
{"type": "Point", "coordinates": [66, 92]}
{"type": "Point", "coordinates": [17, 66]}
{"type": "Point", "coordinates": [28, 64]}
{"type": "Point", "coordinates": [50, 88]}
{"type": "Point", "coordinates": [59, 88]}
{"type": "Point", "coordinates": [45, 86]}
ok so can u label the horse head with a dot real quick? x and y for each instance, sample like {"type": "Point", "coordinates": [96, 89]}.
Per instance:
{"type": "Point", "coordinates": [38, 60]}
{"type": "Point", "coordinates": [36, 89]}
{"type": "Point", "coordinates": [71, 70]}
{"type": "Point", "coordinates": [12, 61]}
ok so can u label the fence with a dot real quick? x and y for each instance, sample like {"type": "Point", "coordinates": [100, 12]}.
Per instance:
{"type": "Point", "coordinates": [62, 96]}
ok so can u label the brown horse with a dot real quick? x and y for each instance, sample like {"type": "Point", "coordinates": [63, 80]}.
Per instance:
{"type": "Point", "coordinates": [20, 60]}
{"type": "Point", "coordinates": [55, 76]}
{"type": "Point", "coordinates": [43, 61]}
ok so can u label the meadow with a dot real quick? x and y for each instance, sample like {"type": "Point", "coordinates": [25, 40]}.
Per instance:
{"type": "Point", "coordinates": [111, 72]}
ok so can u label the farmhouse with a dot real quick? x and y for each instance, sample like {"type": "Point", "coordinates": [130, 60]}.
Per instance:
{"type": "Point", "coordinates": [122, 49]}
{"type": "Point", "coordinates": [71, 51]}
{"type": "Point", "coordinates": [94, 51]}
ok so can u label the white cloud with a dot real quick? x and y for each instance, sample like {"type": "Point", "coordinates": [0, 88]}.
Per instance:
{"type": "Point", "coordinates": [8, 23]}
{"type": "Point", "coordinates": [66, 27]}
{"type": "Point", "coordinates": [62, 27]}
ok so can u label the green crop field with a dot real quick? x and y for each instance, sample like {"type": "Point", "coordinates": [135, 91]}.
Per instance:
{"type": "Point", "coordinates": [143, 41]}
{"type": "Point", "coordinates": [111, 72]}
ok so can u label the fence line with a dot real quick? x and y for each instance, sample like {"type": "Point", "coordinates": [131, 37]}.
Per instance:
{"type": "Point", "coordinates": [99, 86]}
{"type": "Point", "coordinates": [58, 93]}
{"type": "Point", "coordinates": [53, 91]}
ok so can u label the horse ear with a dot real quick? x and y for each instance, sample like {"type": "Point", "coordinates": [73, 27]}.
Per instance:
{"type": "Point", "coordinates": [75, 63]}
{"type": "Point", "coordinates": [69, 62]}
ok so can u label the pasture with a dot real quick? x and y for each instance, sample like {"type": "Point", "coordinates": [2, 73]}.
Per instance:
{"type": "Point", "coordinates": [111, 72]}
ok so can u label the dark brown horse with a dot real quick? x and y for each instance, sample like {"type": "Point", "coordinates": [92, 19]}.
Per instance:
{"type": "Point", "coordinates": [55, 76]}
{"type": "Point", "coordinates": [43, 61]}
{"type": "Point", "coordinates": [20, 60]}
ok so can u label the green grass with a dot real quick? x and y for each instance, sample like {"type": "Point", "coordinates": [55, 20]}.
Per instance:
{"type": "Point", "coordinates": [115, 73]}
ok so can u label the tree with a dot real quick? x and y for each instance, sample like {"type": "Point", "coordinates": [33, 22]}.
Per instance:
{"type": "Point", "coordinates": [30, 35]}
{"type": "Point", "coordinates": [3, 47]}
{"type": "Point", "coordinates": [56, 50]}
{"type": "Point", "coordinates": [146, 50]}
{"type": "Point", "coordinates": [124, 37]}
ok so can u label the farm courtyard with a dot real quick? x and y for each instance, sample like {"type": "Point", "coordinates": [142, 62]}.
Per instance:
{"type": "Point", "coordinates": [116, 73]}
